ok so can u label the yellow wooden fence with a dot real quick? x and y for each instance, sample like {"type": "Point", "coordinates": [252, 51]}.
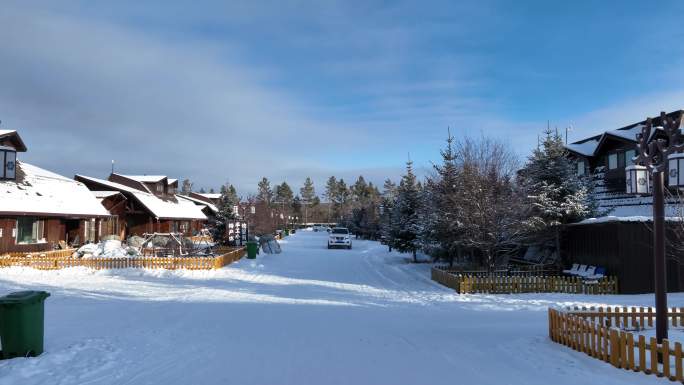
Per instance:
{"type": "Point", "coordinates": [63, 259]}
{"type": "Point", "coordinates": [506, 284]}
{"type": "Point", "coordinates": [588, 331]}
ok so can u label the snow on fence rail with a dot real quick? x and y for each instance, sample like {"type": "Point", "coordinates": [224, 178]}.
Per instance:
{"type": "Point", "coordinates": [519, 271]}
{"type": "Point", "coordinates": [502, 283]}
{"type": "Point", "coordinates": [63, 258]}
{"type": "Point", "coordinates": [590, 331]}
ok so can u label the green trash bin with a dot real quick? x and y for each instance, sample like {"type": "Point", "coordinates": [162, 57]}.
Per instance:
{"type": "Point", "coordinates": [21, 323]}
{"type": "Point", "coordinates": [287, 232]}
{"type": "Point", "coordinates": [252, 248]}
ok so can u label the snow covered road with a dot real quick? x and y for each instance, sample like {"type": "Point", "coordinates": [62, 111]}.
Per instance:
{"type": "Point", "coordinates": [307, 316]}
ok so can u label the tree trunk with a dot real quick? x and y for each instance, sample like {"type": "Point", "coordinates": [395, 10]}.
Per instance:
{"type": "Point", "coordinates": [415, 258]}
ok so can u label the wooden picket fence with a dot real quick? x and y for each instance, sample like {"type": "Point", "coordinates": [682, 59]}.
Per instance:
{"type": "Point", "coordinates": [509, 284]}
{"type": "Point", "coordinates": [64, 259]}
{"type": "Point", "coordinates": [594, 332]}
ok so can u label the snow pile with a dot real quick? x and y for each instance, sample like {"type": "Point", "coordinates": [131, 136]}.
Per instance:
{"type": "Point", "coordinates": [106, 249]}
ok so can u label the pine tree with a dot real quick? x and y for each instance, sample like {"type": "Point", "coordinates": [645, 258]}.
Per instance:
{"type": "Point", "coordinates": [186, 188]}
{"type": "Point", "coordinates": [226, 210]}
{"type": "Point", "coordinates": [405, 215]}
{"type": "Point", "coordinates": [443, 231]}
{"type": "Point", "coordinates": [388, 200]}
{"type": "Point", "coordinates": [284, 195]}
{"type": "Point", "coordinates": [264, 194]}
{"type": "Point", "coordinates": [341, 206]}
{"type": "Point", "coordinates": [308, 193]}
{"type": "Point", "coordinates": [556, 195]}
{"type": "Point", "coordinates": [365, 219]}
{"type": "Point", "coordinates": [330, 195]}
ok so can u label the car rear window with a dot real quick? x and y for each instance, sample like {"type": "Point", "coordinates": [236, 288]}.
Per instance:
{"type": "Point", "coordinates": [340, 231]}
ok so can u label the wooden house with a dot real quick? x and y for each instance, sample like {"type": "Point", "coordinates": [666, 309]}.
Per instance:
{"type": "Point", "coordinates": [621, 240]}
{"type": "Point", "coordinates": [145, 204]}
{"type": "Point", "coordinates": [605, 156]}
{"type": "Point", "coordinates": [40, 210]}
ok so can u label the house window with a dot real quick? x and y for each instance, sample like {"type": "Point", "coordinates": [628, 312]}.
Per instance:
{"type": "Point", "coordinates": [160, 188]}
{"type": "Point", "coordinates": [184, 226]}
{"type": "Point", "coordinates": [580, 168]}
{"type": "Point", "coordinates": [629, 155]}
{"type": "Point", "coordinates": [109, 226]}
{"type": "Point", "coordinates": [612, 161]}
{"type": "Point", "coordinates": [172, 190]}
{"type": "Point", "coordinates": [90, 233]}
{"type": "Point", "coordinates": [30, 230]}
{"type": "Point", "coordinates": [9, 163]}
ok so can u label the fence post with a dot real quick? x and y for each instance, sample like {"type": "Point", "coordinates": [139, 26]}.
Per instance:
{"type": "Point", "coordinates": [678, 362]}
{"type": "Point", "coordinates": [614, 346]}
{"type": "Point", "coordinates": [666, 358]}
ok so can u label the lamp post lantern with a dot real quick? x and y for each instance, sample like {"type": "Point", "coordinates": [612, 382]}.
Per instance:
{"type": "Point", "coordinates": [654, 158]}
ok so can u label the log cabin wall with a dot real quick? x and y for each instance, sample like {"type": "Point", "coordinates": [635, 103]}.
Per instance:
{"type": "Point", "coordinates": [625, 249]}
{"type": "Point", "coordinates": [54, 232]}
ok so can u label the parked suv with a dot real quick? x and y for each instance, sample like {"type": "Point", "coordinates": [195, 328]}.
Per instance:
{"type": "Point", "coordinates": [339, 237]}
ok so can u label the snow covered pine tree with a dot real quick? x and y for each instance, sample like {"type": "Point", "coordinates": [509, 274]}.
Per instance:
{"type": "Point", "coordinates": [405, 214]}
{"type": "Point", "coordinates": [555, 194]}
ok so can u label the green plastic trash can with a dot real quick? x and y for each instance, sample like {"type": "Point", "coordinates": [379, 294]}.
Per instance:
{"type": "Point", "coordinates": [252, 248]}
{"type": "Point", "coordinates": [21, 323]}
{"type": "Point", "coordinates": [287, 232]}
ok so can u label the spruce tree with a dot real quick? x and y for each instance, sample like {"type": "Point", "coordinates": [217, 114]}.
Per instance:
{"type": "Point", "coordinates": [264, 194]}
{"type": "Point", "coordinates": [556, 195]}
{"type": "Point", "coordinates": [308, 193]}
{"type": "Point", "coordinates": [226, 212]}
{"type": "Point", "coordinates": [443, 232]}
{"type": "Point", "coordinates": [405, 215]}
{"type": "Point", "coordinates": [388, 200]}
{"type": "Point", "coordinates": [186, 187]}
{"type": "Point", "coordinates": [284, 195]}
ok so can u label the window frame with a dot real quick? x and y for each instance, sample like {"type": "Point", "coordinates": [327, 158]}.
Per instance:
{"type": "Point", "coordinates": [3, 160]}
{"type": "Point", "coordinates": [37, 230]}
{"type": "Point", "coordinates": [628, 159]}
{"type": "Point", "coordinates": [608, 163]}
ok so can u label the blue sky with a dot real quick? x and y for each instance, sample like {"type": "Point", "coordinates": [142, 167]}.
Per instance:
{"type": "Point", "coordinates": [232, 91]}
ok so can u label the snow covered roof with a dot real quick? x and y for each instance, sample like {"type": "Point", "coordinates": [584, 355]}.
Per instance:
{"type": "Point", "coordinates": [104, 194]}
{"type": "Point", "coordinates": [145, 178]}
{"type": "Point", "coordinates": [13, 136]}
{"type": "Point", "coordinates": [43, 193]}
{"type": "Point", "coordinates": [172, 181]}
{"type": "Point", "coordinates": [628, 133]}
{"type": "Point", "coordinates": [200, 202]}
{"type": "Point", "coordinates": [585, 147]}
{"type": "Point", "coordinates": [160, 208]}
{"type": "Point", "coordinates": [209, 195]}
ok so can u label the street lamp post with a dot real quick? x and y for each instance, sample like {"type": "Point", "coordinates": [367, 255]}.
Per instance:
{"type": "Point", "coordinates": [652, 161]}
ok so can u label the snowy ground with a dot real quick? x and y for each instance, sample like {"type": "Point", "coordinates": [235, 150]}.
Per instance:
{"type": "Point", "coordinates": [307, 316]}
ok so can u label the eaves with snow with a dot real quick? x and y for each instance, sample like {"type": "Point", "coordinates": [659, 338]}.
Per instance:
{"type": "Point", "coordinates": [176, 209]}
{"type": "Point", "coordinates": [38, 192]}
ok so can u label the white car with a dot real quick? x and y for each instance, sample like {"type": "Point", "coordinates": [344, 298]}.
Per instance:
{"type": "Point", "coordinates": [339, 237]}
{"type": "Point", "coordinates": [318, 227]}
